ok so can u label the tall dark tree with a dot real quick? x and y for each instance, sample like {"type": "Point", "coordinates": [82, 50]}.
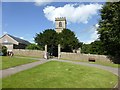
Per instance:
{"type": "Point", "coordinates": [48, 37]}
{"type": "Point", "coordinates": [109, 28]}
{"type": "Point", "coordinates": [68, 40]}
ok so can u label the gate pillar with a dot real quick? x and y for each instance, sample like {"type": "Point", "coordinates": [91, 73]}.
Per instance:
{"type": "Point", "coordinates": [59, 51]}
{"type": "Point", "coordinates": [45, 53]}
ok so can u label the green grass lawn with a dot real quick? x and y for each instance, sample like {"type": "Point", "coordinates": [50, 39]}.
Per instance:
{"type": "Point", "coordinates": [104, 63]}
{"type": "Point", "coordinates": [28, 56]}
{"type": "Point", "coordinates": [108, 64]}
{"type": "Point", "coordinates": [8, 62]}
{"type": "Point", "coordinates": [55, 74]}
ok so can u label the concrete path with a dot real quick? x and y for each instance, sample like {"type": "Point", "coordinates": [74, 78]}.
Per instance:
{"type": "Point", "coordinates": [13, 70]}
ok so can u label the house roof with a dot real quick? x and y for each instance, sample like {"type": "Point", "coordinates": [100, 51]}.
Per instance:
{"type": "Point", "coordinates": [19, 40]}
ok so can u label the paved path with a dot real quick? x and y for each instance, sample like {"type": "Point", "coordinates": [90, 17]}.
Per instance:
{"type": "Point", "coordinates": [13, 70]}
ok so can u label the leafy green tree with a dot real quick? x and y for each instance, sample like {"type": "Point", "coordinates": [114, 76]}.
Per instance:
{"type": "Point", "coordinates": [48, 37]}
{"type": "Point", "coordinates": [68, 40]}
{"type": "Point", "coordinates": [109, 28]}
{"type": "Point", "coordinates": [85, 48]}
{"type": "Point", "coordinates": [33, 47]}
{"type": "Point", "coordinates": [4, 50]}
{"type": "Point", "coordinates": [95, 47]}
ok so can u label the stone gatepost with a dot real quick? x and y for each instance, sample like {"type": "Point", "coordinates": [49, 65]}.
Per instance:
{"type": "Point", "coordinates": [59, 51]}
{"type": "Point", "coordinates": [45, 53]}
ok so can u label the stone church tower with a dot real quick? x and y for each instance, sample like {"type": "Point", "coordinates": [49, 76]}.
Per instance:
{"type": "Point", "coordinates": [60, 24]}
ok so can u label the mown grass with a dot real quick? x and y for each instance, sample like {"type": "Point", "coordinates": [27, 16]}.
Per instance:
{"type": "Point", "coordinates": [108, 64]}
{"type": "Point", "coordinates": [104, 63]}
{"type": "Point", "coordinates": [55, 74]}
{"type": "Point", "coordinates": [7, 62]}
{"type": "Point", "coordinates": [29, 56]}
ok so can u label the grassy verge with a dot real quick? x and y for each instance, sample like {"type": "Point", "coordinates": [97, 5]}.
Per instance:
{"type": "Point", "coordinates": [108, 64]}
{"type": "Point", "coordinates": [29, 56]}
{"type": "Point", "coordinates": [61, 75]}
{"type": "Point", "coordinates": [8, 62]}
{"type": "Point", "coordinates": [97, 62]}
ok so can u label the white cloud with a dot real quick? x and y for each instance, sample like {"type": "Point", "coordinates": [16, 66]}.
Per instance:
{"type": "Point", "coordinates": [93, 35]}
{"type": "Point", "coordinates": [74, 13]}
{"type": "Point", "coordinates": [41, 2]}
{"type": "Point", "coordinates": [31, 40]}
{"type": "Point", "coordinates": [4, 32]}
{"type": "Point", "coordinates": [89, 35]}
{"type": "Point", "coordinates": [97, 25]}
{"type": "Point", "coordinates": [21, 37]}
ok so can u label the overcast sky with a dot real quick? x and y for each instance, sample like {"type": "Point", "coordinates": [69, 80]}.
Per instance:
{"type": "Point", "coordinates": [25, 19]}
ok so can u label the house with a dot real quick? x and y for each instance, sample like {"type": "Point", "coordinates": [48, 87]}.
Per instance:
{"type": "Point", "coordinates": [12, 42]}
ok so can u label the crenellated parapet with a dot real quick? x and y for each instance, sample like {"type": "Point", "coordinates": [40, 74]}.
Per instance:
{"type": "Point", "coordinates": [60, 18]}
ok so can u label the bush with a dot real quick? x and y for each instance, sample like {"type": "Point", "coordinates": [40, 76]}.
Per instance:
{"type": "Point", "coordinates": [4, 50]}
{"type": "Point", "coordinates": [33, 47]}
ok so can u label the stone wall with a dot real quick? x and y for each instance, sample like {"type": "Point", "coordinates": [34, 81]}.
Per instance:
{"type": "Point", "coordinates": [84, 57]}
{"type": "Point", "coordinates": [64, 55]}
{"type": "Point", "coordinates": [31, 53]}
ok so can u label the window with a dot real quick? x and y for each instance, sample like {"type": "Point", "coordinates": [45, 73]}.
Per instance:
{"type": "Point", "coordinates": [60, 24]}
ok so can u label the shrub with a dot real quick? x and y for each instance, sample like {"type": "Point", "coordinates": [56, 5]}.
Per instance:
{"type": "Point", "coordinates": [33, 47]}
{"type": "Point", "coordinates": [4, 50]}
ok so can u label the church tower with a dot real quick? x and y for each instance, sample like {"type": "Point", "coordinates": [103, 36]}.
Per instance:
{"type": "Point", "coordinates": [60, 24]}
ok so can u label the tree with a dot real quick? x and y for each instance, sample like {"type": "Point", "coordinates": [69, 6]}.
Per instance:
{"type": "Point", "coordinates": [49, 37]}
{"type": "Point", "coordinates": [109, 28]}
{"type": "Point", "coordinates": [33, 47]}
{"type": "Point", "coordinates": [85, 48]}
{"type": "Point", "coordinates": [68, 40]}
{"type": "Point", "coordinates": [95, 47]}
{"type": "Point", "coordinates": [4, 50]}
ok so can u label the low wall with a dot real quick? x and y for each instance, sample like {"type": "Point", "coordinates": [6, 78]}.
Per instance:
{"type": "Point", "coordinates": [84, 57]}
{"type": "Point", "coordinates": [32, 53]}
{"type": "Point", "coordinates": [64, 55]}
